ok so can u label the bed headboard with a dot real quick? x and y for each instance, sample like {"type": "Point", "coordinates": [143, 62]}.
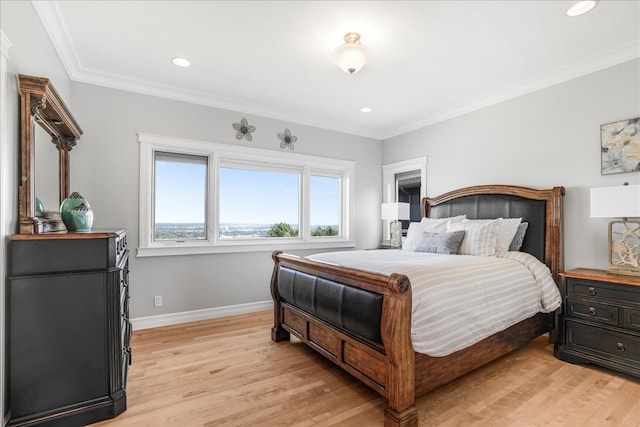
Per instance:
{"type": "Point", "coordinates": [542, 209]}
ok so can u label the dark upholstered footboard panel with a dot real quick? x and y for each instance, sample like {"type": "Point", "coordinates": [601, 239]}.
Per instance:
{"type": "Point", "coordinates": [353, 310]}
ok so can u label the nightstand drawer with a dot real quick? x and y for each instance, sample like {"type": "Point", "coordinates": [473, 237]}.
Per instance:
{"type": "Point", "coordinates": [597, 312]}
{"type": "Point", "coordinates": [579, 288]}
{"type": "Point", "coordinates": [631, 319]}
{"type": "Point", "coordinates": [603, 342]}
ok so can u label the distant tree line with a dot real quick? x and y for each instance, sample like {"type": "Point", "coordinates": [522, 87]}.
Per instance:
{"type": "Point", "coordinates": [283, 229]}
{"type": "Point", "coordinates": [324, 231]}
{"type": "Point", "coordinates": [179, 231]}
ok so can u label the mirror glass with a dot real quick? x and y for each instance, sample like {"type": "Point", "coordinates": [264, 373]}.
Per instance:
{"type": "Point", "coordinates": [47, 165]}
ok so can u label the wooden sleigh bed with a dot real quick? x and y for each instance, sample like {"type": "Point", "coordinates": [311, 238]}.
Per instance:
{"type": "Point", "coordinates": [370, 337]}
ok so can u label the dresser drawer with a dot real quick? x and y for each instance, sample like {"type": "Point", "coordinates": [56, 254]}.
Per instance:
{"type": "Point", "coordinates": [597, 312]}
{"type": "Point", "coordinates": [631, 319]}
{"type": "Point", "coordinates": [589, 289]}
{"type": "Point", "coordinates": [603, 342]}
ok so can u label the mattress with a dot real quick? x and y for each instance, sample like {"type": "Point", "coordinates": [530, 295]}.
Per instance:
{"type": "Point", "coordinates": [459, 300]}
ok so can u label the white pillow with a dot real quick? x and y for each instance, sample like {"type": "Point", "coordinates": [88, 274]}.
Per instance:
{"type": "Point", "coordinates": [430, 225]}
{"type": "Point", "coordinates": [505, 234]}
{"type": "Point", "coordinates": [439, 225]}
{"type": "Point", "coordinates": [479, 238]}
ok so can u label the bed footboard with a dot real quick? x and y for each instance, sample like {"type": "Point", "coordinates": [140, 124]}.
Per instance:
{"type": "Point", "coordinates": [315, 302]}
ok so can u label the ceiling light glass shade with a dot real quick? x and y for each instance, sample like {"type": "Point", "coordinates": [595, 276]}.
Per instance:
{"type": "Point", "coordinates": [352, 55]}
{"type": "Point", "coordinates": [581, 7]}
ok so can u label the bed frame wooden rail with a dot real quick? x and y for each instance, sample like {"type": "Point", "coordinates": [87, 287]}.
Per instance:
{"type": "Point", "coordinates": [392, 368]}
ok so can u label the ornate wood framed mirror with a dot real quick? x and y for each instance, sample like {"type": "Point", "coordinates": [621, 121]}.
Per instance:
{"type": "Point", "coordinates": [41, 105]}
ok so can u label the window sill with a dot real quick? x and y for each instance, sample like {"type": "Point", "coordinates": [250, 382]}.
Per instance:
{"type": "Point", "coordinates": [186, 249]}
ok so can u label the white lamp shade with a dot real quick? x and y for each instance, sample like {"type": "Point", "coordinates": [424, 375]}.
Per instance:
{"type": "Point", "coordinates": [621, 201]}
{"type": "Point", "coordinates": [395, 211]}
{"type": "Point", "coordinates": [351, 57]}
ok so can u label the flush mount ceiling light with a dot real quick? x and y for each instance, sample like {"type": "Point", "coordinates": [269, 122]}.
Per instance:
{"type": "Point", "coordinates": [181, 62]}
{"type": "Point", "coordinates": [366, 109]}
{"type": "Point", "coordinates": [581, 7]}
{"type": "Point", "coordinates": [352, 55]}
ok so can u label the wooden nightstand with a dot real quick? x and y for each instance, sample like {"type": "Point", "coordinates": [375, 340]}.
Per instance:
{"type": "Point", "coordinates": [600, 320]}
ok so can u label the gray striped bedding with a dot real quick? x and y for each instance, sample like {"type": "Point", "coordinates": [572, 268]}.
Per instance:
{"type": "Point", "coordinates": [459, 300]}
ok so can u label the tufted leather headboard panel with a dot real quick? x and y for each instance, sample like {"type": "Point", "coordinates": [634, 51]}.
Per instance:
{"type": "Point", "coordinates": [346, 307]}
{"type": "Point", "coordinates": [488, 206]}
{"type": "Point", "coordinates": [542, 209]}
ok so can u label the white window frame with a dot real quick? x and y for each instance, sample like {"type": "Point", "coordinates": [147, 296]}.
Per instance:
{"type": "Point", "coordinates": [218, 154]}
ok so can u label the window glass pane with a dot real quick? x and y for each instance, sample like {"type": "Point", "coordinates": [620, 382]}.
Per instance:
{"type": "Point", "coordinates": [325, 205]}
{"type": "Point", "coordinates": [180, 195]}
{"type": "Point", "coordinates": [258, 202]}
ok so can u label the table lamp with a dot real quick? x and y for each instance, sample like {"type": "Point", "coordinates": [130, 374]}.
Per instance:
{"type": "Point", "coordinates": [394, 213]}
{"type": "Point", "coordinates": [621, 201]}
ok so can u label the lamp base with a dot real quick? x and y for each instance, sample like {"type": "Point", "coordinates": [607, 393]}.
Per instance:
{"type": "Point", "coordinates": [624, 247]}
{"type": "Point", "coordinates": [624, 271]}
{"type": "Point", "coordinates": [395, 230]}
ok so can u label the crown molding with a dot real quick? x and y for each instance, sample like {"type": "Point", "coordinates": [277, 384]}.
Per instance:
{"type": "Point", "coordinates": [128, 84]}
{"type": "Point", "coordinates": [55, 26]}
{"type": "Point", "coordinates": [597, 63]}
{"type": "Point", "coordinates": [53, 22]}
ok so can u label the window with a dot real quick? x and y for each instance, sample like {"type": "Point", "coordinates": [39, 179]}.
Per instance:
{"type": "Point", "coordinates": [258, 202]}
{"type": "Point", "coordinates": [180, 197]}
{"type": "Point", "coordinates": [325, 205]}
{"type": "Point", "coordinates": [203, 197]}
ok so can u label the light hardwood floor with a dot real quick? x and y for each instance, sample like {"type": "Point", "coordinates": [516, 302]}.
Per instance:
{"type": "Point", "coordinates": [228, 372]}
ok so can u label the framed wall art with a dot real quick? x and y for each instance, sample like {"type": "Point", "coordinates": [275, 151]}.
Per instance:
{"type": "Point", "coordinates": [620, 146]}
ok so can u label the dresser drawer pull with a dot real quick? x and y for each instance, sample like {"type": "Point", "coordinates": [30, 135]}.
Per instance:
{"type": "Point", "coordinates": [592, 311]}
{"type": "Point", "coordinates": [591, 290]}
{"type": "Point", "coordinates": [620, 346]}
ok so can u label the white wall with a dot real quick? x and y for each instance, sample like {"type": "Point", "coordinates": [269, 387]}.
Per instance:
{"type": "Point", "coordinates": [105, 169]}
{"type": "Point", "coordinates": [543, 139]}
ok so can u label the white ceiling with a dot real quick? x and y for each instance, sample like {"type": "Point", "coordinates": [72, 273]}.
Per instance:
{"type": "Point", "coordinates": [431, 60]}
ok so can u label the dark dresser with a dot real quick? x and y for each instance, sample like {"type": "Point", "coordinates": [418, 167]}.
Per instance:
{"type": "Point", "coordinates": [601, 320]}
{"type": "Point", "coordinates": [68, 328]}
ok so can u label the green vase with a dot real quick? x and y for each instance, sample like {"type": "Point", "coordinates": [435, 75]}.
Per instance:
{"type": "Point", "coordinates": [76, 213]}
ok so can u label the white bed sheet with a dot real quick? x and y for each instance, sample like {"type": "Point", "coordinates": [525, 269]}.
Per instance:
{"type": "Point", "coordinates": [459, 300]}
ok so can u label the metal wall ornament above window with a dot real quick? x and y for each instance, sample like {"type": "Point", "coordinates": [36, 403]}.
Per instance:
{"type": "Point", "coordinates": [286, 139]}
{"type": "Point", "coordinates": [244, 129]}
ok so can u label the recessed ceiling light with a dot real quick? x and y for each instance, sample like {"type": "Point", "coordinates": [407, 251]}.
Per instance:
{"type": "Point", "coordinates": [366, 109]}
{"type": "Point", "coordinates": [181, 62]}
{"type": "Point", "coordinates": [581, 7]}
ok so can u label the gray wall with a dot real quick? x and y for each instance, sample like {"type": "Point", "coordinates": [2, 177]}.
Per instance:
{"type": "Point", "coordinates": [543, 139]}
{"type": "Point", "coordinates": [105, 169]}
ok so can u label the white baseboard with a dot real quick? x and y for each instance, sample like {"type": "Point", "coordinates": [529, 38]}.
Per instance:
{"type": "Point", "coordinates": [196, 315]}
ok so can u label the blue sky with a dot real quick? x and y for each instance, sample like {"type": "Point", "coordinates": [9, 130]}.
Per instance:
{"type": "Point", "coordinates": [246, 196]}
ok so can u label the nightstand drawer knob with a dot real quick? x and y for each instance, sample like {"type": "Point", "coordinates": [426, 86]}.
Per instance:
{"type": "Point", "coordinates": [592, 311]}
{"type": "Point", "coordinates": [620, 346]}
{"type": "Point", "coordinates": [591, 290]}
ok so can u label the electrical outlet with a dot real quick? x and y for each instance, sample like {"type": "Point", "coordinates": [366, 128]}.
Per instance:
{"type": "Point", "coordinates": [157, 300]}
